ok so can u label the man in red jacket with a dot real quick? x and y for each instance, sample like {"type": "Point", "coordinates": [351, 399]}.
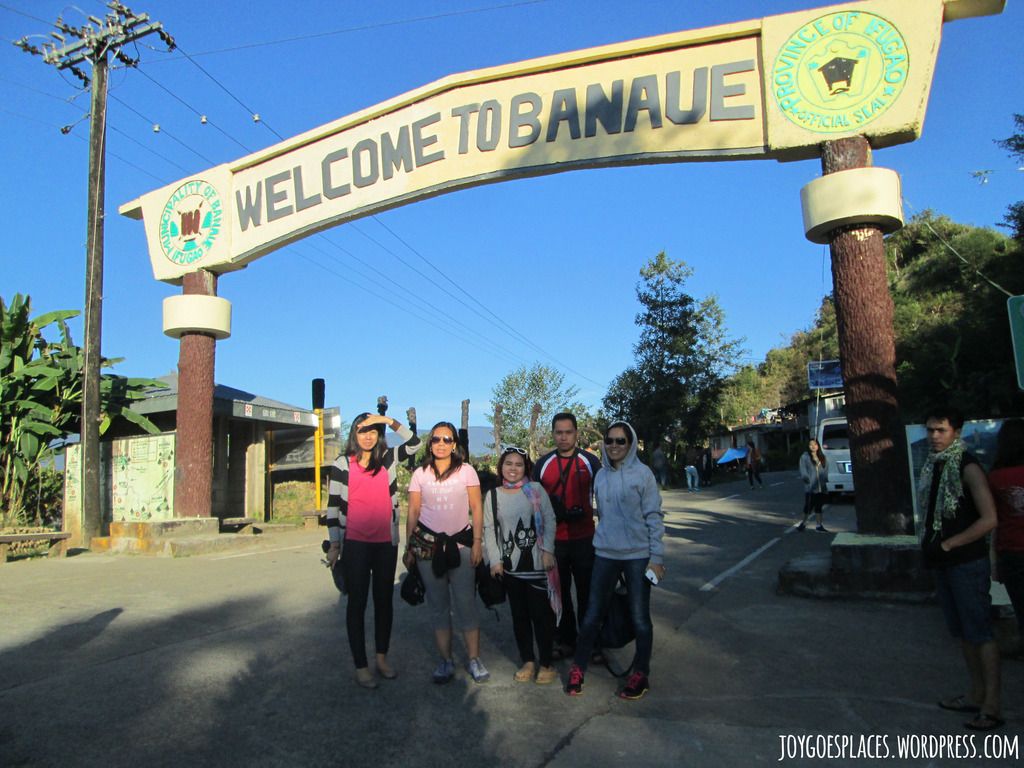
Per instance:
{"type": "Point", "coordinates": [567, 474]}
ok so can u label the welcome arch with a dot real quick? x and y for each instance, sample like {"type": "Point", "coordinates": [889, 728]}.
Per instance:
{"type": "Point", "coordinates": [832, 82]}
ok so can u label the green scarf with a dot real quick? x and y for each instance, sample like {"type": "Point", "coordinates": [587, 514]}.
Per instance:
{"type": "Point", "coordinates": [951, 487]}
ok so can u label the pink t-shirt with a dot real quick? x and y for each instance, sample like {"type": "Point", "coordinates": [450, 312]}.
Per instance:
{"type": "Point", "coordinates": [369, 505]}
{"type": "Point", "coordinates": [445, 507]}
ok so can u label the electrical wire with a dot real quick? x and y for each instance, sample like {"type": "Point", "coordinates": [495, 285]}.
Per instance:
{"type": "Point", "coordinates": [956, 253]}
{"type": "Point", "coordinates": [171, 93]}
{"type": "Point", "coordinates": [368, 27]}
{"type": "Point", "coordinates": [169, 135]}
{"type": "Point", "coordinates": [493, 318]}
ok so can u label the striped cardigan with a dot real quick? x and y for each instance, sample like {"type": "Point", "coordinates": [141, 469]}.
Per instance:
{"type": "Point", "coordinates": [337, 485]}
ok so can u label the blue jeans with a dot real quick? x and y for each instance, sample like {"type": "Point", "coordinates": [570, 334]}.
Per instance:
{"type": "Point", "coordinates": [602, 584]}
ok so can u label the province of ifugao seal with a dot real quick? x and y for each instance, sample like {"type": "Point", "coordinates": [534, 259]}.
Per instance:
{"type": "Point", "coordinates": [190, 222]}
{"type": "Point", "coordinates": [840, 71]}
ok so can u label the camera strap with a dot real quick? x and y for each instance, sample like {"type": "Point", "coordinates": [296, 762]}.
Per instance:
{"type": "Point", "coordinates": [563, 475]}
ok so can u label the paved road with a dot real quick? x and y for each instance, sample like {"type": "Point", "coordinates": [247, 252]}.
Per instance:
{"type": "Point", "coordinates": [240, 659]}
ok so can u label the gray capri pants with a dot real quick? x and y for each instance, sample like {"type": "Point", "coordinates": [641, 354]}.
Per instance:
{"type": "Point", "coordinates": [455, 590]}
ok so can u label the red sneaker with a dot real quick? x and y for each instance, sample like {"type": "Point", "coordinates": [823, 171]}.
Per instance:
{"type": "Point", "coordinates": [636, 687]}
{"type": "Point", "coordinates": [575, 686]}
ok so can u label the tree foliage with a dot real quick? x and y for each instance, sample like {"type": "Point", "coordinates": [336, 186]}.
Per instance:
{"type": "Point", "coordinates": [681, 359]}
{"type": "Point", "coordinates": [952, 331]}
{"type": "Point", "coordinates": [1014, 218]}
{"type": "Point", "coordinates": [953, 342]}
{"type": "Point", "coordinates": [518, 391]}
{"type": "Point", "coordinates": [41, 397]}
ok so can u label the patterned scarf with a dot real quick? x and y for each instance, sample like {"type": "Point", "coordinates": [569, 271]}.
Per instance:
{"type": "Point", "coordinates": [951, 487]}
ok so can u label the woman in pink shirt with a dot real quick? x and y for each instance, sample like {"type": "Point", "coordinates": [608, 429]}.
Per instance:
{"type": "Point", "coordinates": [445, 538]}
{"type": "Point", "coordinates": [362, 523]}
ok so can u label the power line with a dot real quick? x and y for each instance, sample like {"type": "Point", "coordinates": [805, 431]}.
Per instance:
{"type": "Point", "coordinates": [255, 115]}
{"type": "Point", "coordinates": [368, 27]}
{"type": "Point", "coordinates": [484, 307]}
{"type": "Point", "coordinates": [203, 118]}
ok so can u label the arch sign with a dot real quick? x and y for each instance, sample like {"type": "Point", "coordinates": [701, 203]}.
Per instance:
{"type": "Point", "coordinates": [771, 88]}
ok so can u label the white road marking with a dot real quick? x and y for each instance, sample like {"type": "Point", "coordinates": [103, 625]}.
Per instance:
{"type": "Point", "coordinates": [746, 560]}
{"type": "Point", "coordinates": [265, 551]}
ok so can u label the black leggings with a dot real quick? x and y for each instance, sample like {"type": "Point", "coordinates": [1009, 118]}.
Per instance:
{"type": "Point", "coordinates": [531, 618]}
{"type": "Point", "coordinates": [363, 562]}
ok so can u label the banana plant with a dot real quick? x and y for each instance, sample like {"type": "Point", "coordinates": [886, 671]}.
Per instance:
{"type": "Point", "coordinates": [41, 397]}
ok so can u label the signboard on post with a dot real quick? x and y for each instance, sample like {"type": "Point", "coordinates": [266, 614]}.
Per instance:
{"type": "Point", "coordinates": [824, 374]}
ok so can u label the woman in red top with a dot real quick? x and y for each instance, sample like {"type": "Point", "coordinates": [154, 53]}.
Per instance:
{"type": "Point", "coordinates": [1007, 482]}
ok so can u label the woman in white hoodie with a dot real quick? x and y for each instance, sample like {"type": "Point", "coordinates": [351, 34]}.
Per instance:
{"type": "Point", "coordinates": [627, 543]}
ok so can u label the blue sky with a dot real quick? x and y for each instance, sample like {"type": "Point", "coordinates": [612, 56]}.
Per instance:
{"type": "Point", "coordinates": [556, 257]}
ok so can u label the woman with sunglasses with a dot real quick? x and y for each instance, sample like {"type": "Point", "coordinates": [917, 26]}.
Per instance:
{"type": "Point", "coordinates": [519, 537]}
{"type": "Point", "coordinates": [362, 516]}
{"type": "Point", "coordinates": [628, 544]}
{"type": "Point", "coordinates": [444, 531]}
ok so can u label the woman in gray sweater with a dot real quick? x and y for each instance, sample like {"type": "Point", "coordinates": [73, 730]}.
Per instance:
{"type": "Point", "coordinates": [814, 473]}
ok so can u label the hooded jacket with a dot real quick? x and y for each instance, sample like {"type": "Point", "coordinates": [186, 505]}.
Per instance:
{"type": "Point", "coordinates": [631, 522]}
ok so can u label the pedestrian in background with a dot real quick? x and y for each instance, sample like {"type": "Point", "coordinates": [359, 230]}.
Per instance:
{"type": "Point", "coordinates": [753, 464]}
{"type": "Point", "coordinates": [814, 473]}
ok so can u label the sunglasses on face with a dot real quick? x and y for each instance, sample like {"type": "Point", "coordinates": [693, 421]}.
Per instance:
{"type": "Point", "coordinates": [435, 439]}
{"type": "Point", "coordinates": [615, 441]}
{"type": "Point", "coordinates": [514, 449]}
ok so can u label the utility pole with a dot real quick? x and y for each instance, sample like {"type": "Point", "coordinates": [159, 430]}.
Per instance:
{"type": "Point", "coordinates": [94, 42]}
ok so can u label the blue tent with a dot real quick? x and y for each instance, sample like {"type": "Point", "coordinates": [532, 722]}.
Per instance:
{"type": "Point", "coordinates": [733, 454]}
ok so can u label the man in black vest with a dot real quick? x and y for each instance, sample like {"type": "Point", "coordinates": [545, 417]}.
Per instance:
{"type": "Point", "coordinates": [960, 512]}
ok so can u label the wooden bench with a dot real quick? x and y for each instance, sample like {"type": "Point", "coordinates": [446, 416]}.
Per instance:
{"type": "Point", "coordinates": [57, 541]}
{"type": "Point", "coordinates": [241, 525]}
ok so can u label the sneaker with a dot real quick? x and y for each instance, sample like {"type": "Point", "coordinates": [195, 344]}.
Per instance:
{"type": "Point", "coordinates": [636, 687]}
{"type": "Point", "coordinates": [801, 527]}
{"type": "Point", "coordinates": [478, 671]}
{"type": "Point", "coordinates": [821, 528]}
{"type": "Point", "coordinates": [444, 672]}
{"type": "Point", "coordinates": [575, 686]}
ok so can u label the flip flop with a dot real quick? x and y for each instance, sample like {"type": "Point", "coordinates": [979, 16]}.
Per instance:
{"type": "Point", "coordinates": [985, 722]}
{"type": "Point", "coordinates": [959, 704]}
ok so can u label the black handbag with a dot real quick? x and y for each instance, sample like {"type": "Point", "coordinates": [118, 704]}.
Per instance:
{"type": "Point", "coordinates": [337, 572]}
{"type": "Point", "coordinates": [413, 590]}
{"type": "Point", "coordinates": [490, 588]}
{"type": "Point", "coordinates": [617, 629]}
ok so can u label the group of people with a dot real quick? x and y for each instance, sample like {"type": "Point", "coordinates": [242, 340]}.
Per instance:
{"type": "Point", "coordinates": [535, 531]}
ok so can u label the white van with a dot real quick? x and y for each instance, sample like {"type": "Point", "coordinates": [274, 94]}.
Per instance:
{"type": "Point", "coordinates": [834, 439]}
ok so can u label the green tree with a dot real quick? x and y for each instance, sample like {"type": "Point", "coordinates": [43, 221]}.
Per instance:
{"type": "Point", "coordinates": [518, 391]}
{"type": "Point", "coordinates": [40, 400]}
{"type": "Point", "coordinates": [952, 332]}
{"type": "Point", "coordinates": [681, 359]}
{"type": "Point", "coordinates": [1014, 218]}
{"type": "Point", "coordinates": [947, 282]}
